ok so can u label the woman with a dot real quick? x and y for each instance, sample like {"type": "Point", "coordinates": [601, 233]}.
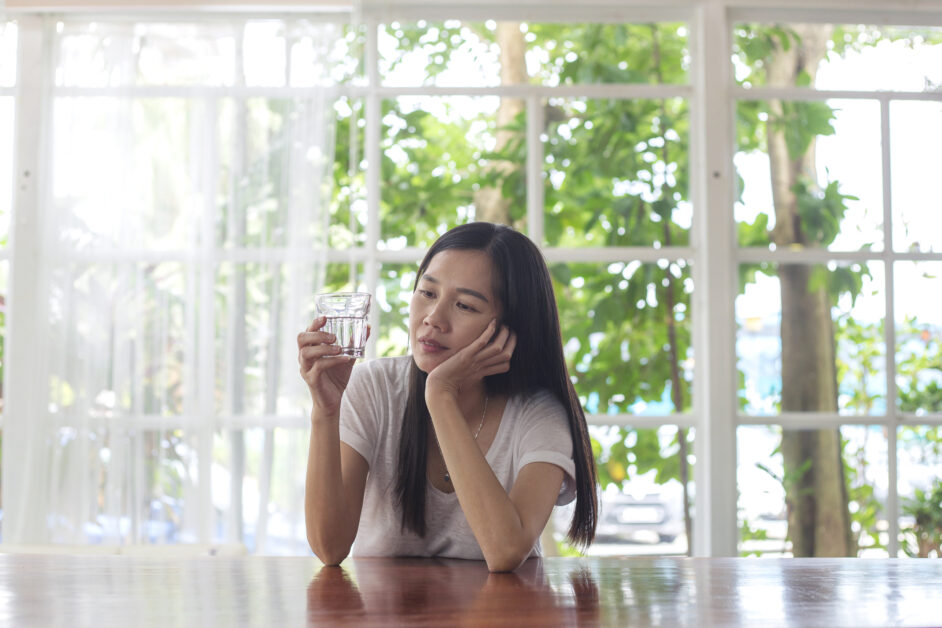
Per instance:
{"type": "Point", "coordinates": [461, 449]}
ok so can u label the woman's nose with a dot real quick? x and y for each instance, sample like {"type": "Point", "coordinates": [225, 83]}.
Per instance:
{"type": "Point", "coordinates": [435, 317]}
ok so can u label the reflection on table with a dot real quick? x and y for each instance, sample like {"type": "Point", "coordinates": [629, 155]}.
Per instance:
{"type": "Point", "coordinates": [44, 590]}
{"type": "Point", "coordinates": [451, 592]}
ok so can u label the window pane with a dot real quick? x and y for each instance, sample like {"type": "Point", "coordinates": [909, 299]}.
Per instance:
{"type": "Point", "coordinates": [770, 372]}
{"type": "Point", "coordinates": [846, 57]}
{"type": "Point", "coordinates": [8, 56]}
{"type": "Point", "coordinates": [617, 173]}
{"type": "Point", "coordinates": [165, 503]}
{"type": "Point", "coordinates": [918, 337]}
{"type": "Point", "coordinates": [119, 341]}
{"type": "Point", "coordinates": [841, 209]}
{"type": "Point", "coordinates": [348, 210]}
{"type": "Point", "coordinates": [919, 455]}
{"type": "Point", "coordinates": [103, 54]}
{"type": "Point", "coordinates": [915, 153]}
{"type": "Point", "coordinates": [126, 174]}
{"type": "Point", "coordinates": [273, 53]}
{"type": "Point", "coordinates": [642, 499]}
{"type": "Point", "coordinates": [763, 526]}
{"type": "Point", "coordinates": [273, 154]}
{"type": "Point", "coordinates": [394, 294]}
{"type": "Point", "coordinates": [440, 53]}
{"type": "Point", "coordinates": [286, 449]}
{"type": "Point", "coordinates": [453, 53]}
{"type": "Point", "coordinates": [260, 309]}
{"type": "Point", "coordinates": [627, 334]}
{"type": "Point", "coordinates": [445, 161]}
{"type": "Point", "coordinates": [763, 510]}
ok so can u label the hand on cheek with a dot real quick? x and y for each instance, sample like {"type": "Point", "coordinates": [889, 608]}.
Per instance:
{"type": "Point", "coordinates": [488, 354]}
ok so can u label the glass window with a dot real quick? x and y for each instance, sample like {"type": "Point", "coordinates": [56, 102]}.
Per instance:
{"type": "Point", "coordinates": [837, 330]}
{"type": "Point", "coordinates": [818, 173]}
{"type": "Point", "coordinates": [918, 338]}
{"type": "Point", "coordinates": [458, 53]}
{"type": "Point", "coordinates": [840, 205]}
{"type": "Point", "coordinates": [762, 475]}
{"type": "Point", "coordinates": [627, 333]}
{"type": "Point", "coordinates": [444, 162]}
{"type": "Point", "coordinates": [647, 494]}
{"type": "Point", "coordinates": [916, 187]}
{"type": "Point", "coordinates": [845, 56]}
{"type": "Point", "coordinates": [203, 187]}
{"type": "Point", "coordinates": [617, 173]}
{"type": "Point", "coordinates": [919, 455]}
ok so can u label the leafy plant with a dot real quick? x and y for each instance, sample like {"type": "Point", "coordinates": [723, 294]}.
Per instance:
{"type": "Point", "coordinates": [926, 509]}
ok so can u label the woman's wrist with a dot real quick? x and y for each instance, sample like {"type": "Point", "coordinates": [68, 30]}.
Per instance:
{"type": "Point", "coordinates": [323, 416]}
{"type": "Point", "coordinates": [438, 399]}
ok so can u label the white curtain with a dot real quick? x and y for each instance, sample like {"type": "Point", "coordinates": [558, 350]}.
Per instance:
{"type": "Point", "coordinates": [184, 204]}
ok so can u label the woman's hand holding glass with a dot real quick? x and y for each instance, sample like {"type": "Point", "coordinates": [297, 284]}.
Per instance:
{"type": "Point", "coordinates": [489, 354]}
{"type": "Point", "coordinates": [323, 368]}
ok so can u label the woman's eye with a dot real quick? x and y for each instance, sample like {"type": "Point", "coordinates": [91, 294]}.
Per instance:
{"type": "Point", "coordinates": [463, 306]}
{"type": "Point", "coordinates": [425, 293]}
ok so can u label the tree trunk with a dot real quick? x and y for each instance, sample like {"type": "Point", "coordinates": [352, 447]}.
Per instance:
{"type": "Point", "coordinates": [489, 203]}
{"type": "Point", "coordinates": [815, 485]}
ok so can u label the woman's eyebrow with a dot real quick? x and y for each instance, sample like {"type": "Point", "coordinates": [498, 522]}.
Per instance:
{"type": "Point", "coordinates": [467, 291]}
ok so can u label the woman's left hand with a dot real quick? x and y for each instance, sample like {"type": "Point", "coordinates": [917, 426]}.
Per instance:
{"type": "Point", "coordinates": [489, 354]}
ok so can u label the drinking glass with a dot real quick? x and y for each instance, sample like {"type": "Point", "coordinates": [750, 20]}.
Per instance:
{"type": "Point", "coordinates": [346, 314]}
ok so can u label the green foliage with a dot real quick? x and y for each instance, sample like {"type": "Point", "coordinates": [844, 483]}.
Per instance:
{"type": "Point", "coordinates": [429, 166]}
{"type": "Point", "coordinates": [802, 123]}
{"type": "Point", "coordinates": [859, 366]}
{"type": "Point", "coordinates": [865, 508]}
{"type": "Point", "coordinates": [925, 507]}
{"type": "Point", "coordinates": [754, 44]}
{"type": "Point", "coordinates": [919, 369]}
{"type": "Point", "coordinates": [859, 363]}
{"type": "Point", "coordinates": [820, 211]}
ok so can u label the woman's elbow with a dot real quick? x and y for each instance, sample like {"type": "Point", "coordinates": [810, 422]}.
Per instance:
{"type": "Point", "coordinates": [329, 555]}
{"type": "Point", "coordinates": [506, 560]}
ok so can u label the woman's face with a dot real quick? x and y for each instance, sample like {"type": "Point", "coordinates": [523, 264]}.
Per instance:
{"type": "Point", "coordinates": [452, 304]}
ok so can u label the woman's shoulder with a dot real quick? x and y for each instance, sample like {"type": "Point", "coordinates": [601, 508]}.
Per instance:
{"type": "Point", "coordinates": [538, 404]}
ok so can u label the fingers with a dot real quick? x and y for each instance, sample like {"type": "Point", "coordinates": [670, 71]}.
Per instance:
{"type": "Point", "coordinates": [311, 352]}
{"type": "Point", "coordinates": [501, 351]}
{"type": "Point", "coordinates": [493, 350]}
{"type": "Point", "coordinates": [317, 323]}
{"type": "Point", "coordinates": [314, 344]}
{"type": "Point", "coordinates": [312, 336]}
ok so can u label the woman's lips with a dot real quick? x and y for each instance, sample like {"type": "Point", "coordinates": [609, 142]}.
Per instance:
{"type": "Point", "coordinates": [430, 346]}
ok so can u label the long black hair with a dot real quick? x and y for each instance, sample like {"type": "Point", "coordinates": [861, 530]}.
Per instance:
{"type": "Point", "coordinates": [525, 291]}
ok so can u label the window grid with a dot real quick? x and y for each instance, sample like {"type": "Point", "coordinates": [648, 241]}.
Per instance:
{"type": "Point", "coordinates": [703, 197]}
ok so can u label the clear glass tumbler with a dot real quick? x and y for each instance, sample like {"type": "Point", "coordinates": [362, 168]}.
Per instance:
{"type": "Point", "coordinates": [346, 314]}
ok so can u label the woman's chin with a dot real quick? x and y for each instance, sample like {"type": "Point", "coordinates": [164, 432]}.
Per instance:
{"type": "Point", "coordinates": [426, 362]}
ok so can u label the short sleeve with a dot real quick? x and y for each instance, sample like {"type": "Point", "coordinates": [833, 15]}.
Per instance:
{"type": "Point", "coordinates": [544, 436]}
{"type": "Point", "coordinates": [359, 418]}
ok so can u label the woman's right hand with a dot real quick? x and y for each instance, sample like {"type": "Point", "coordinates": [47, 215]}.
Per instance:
{"type": "Point", "coordinates": [325, 371]}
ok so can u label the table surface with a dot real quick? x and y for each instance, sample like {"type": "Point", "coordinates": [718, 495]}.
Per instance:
{"type": "Point", "coordinates": [50, 590]}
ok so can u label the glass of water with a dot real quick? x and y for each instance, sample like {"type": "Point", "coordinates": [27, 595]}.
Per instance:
{"type": "Point", "coordinates": [346, 314]}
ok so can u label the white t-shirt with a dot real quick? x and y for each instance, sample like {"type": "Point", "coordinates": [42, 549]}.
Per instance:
{"type": "Point", "coordinates": [533, 429]}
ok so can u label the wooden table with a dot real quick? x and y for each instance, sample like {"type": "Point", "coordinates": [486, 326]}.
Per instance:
{"type": "Point", "coordinates": [51, 590]}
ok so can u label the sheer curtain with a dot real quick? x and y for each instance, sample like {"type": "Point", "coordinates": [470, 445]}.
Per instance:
{"type": "Point", "coordinates": [183, 215]}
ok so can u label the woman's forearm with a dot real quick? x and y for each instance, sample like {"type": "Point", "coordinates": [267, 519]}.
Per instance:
{"type": "Point", "coordinates": [494, 519]}
{"type": "Point", "coordinates": [330, 532]}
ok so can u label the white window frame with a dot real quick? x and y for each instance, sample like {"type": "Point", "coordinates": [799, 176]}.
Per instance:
{"type": "Point", "coordinates": [713, 250]}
